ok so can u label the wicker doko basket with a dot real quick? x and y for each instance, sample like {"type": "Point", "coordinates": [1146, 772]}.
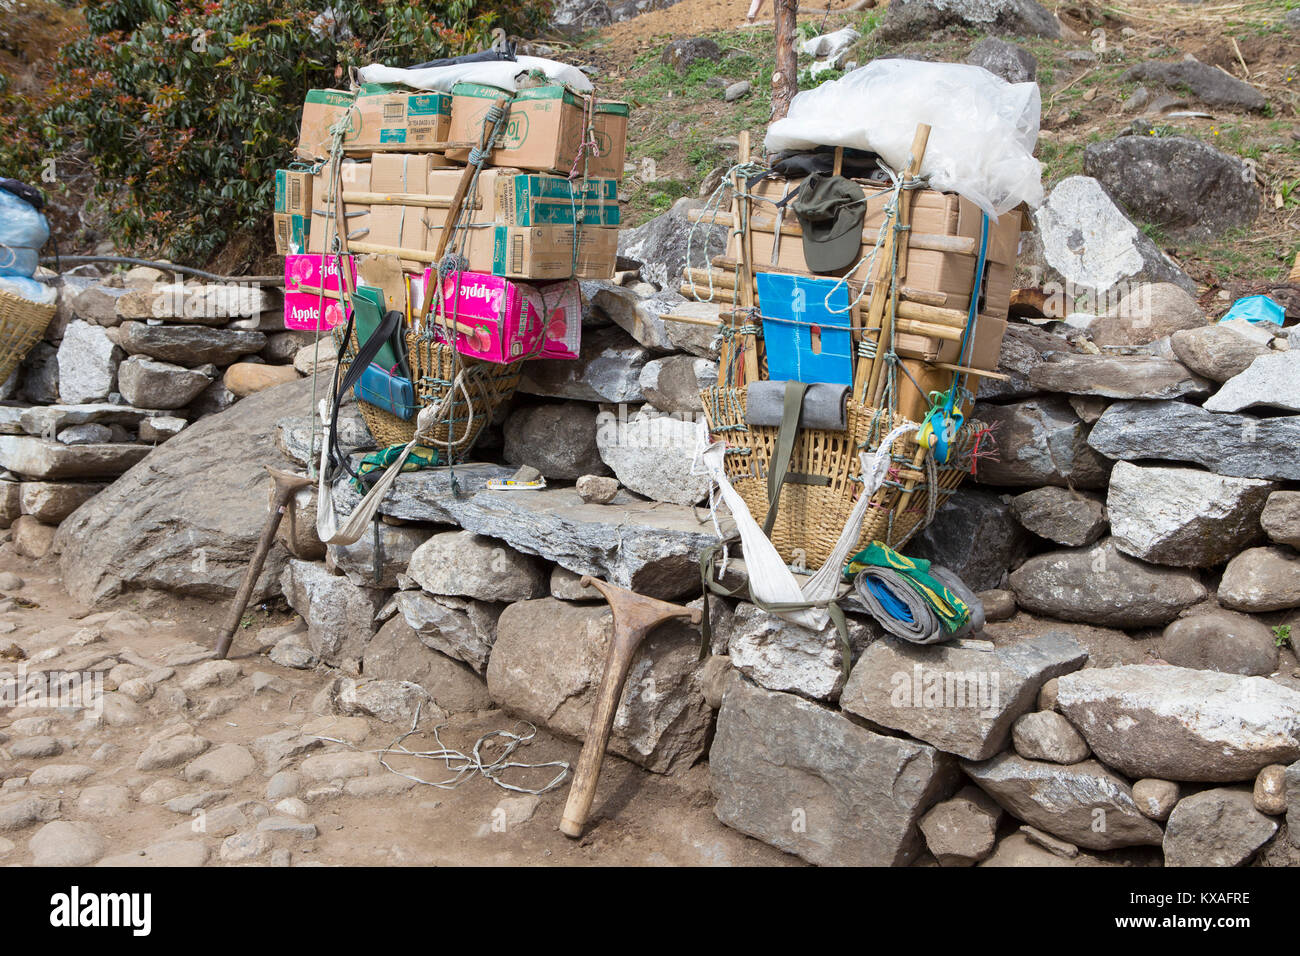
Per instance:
{"type": "Point", "coordinates": [22, 324]}
{"type": "Point", "coordinates": [824, 477]}
{"type": "Point", "coordinates": [433, 368]}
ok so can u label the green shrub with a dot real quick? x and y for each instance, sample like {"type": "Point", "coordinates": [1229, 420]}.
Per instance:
{"type": "Point", "coordinates": [184, 110]}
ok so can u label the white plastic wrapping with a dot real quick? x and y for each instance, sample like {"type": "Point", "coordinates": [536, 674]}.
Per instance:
{"type": "Point", "coordinates": [29, 289]}
{"type": "Point", "coordinates": [983, 129]}
{"type": "Point", "coordinates": [500, 73]}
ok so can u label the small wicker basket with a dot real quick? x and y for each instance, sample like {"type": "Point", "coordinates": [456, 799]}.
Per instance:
{"type": "Point", "coordinates": [433, 367]}
{"type": "Point", "coordinates": [22, 323]}
{"type": "Point", "coordinates": [824, 477]}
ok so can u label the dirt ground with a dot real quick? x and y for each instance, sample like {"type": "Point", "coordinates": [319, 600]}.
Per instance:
{"type": "Point", "coordinates": [639, 818]}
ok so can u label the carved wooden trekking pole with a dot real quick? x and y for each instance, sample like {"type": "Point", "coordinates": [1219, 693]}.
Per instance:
{"type": "Point", "coordinates": [287, 485]}
{"type": "Point", "coordinates": [635, 616]}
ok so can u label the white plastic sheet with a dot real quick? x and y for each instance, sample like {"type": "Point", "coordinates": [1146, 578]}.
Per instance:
{"type": "Point", "coordinates": [983, 129]}
{"type": "Point", "coordinates": [500, 73]}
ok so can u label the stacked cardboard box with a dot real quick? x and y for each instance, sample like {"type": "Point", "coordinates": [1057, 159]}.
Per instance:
{"type": "Point", "coordinates": [546, 207]}
{"type": "Point", "coordinates": [940, 269]}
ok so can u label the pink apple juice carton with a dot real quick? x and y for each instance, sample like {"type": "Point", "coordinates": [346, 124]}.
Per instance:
{"type": "Point", "coordinates": [507, 324]}
{"type": "Point", "coordinates": [560, 306]}
{"type": "Point", "coordinates": [305, 276]}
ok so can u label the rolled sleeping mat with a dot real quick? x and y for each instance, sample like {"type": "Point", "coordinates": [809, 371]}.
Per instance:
{"type": "Point", "coordinates": [825, 406]}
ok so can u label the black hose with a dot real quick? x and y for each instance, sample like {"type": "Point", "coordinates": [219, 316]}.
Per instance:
{"type": "Point", "coordinates": [166, 267]}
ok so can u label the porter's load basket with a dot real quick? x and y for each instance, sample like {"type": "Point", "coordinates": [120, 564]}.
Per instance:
{"type": "Point", "coordinates": [486, 386]}
{"type": "Point", "coordinates": [824, 479]}
{"type": "Point", "coordinates": [22, 323]}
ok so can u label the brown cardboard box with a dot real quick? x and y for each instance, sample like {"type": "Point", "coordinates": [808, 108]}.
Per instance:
{"type": "Point", "coordinates": [543, 129]}
{"type": "Point", "coordinates": [320, 111]}
{"type": "Point", "coordinates": [355, 178]}
{"type": "Point", "coordinates": [945, 214]}
{"type": "Point", "coordinates": [543, 252]}
{"type": "Point", "coordinates": [293, 191]}
{"type": "Point", "coordinates": [290, 233]}
{"type": "Point", "coordinates": [397, 120]}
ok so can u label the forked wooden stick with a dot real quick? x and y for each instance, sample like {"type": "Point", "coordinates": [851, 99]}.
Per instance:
{"type": "Point", "coordinates": [635, 616]}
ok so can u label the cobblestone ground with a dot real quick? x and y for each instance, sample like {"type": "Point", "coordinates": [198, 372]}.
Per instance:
{"type": "Point", "coordinates": [190, 761]}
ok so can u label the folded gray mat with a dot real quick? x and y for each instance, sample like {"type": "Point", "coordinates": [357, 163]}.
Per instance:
{"type": "Point", "coordinates": [824, 406]}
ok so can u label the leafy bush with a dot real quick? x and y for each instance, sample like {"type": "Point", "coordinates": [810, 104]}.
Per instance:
{"type": "Point", "coordinates": [184, 110]}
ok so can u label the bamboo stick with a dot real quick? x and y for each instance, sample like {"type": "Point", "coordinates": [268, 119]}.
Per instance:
{"type": "Point", "coordinates": [929, 241]}
{"type": "Point", "coordinates": [863, 387]}
{"type": "Point", "coordinates": [398, 199]}
{"type": "Point", "coordinates": [742, 226]}
{"type": "Point", "coordinates": [910, 326]}
{"type": "Point", "coordinates": [907, 309]}
{"type": "Point", "coordinates": [924, 296]}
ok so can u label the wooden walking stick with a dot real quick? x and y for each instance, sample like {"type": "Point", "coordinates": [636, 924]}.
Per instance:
{"type": "Point", "coordinates": [287, 485]}
{"type": "Point", "coordinates": [635, 616]}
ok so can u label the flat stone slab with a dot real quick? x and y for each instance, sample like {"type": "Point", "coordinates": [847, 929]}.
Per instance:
{"type": "Point", "coordinates": [46, 420]}
{"type": "Point", "coordinates": [1174, 723]}
{"type": "Point", "coordinates": [648, 546]}
{"type": "Point", "coordinates": [1242, 446]}
{"type": "Point", "coordinates": [40, 458]}
{"type": "Point", "coordinates": [960, 700]}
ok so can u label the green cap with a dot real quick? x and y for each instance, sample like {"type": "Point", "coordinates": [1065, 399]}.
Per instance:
{"type": "Point", "coordinates": [830, 211]}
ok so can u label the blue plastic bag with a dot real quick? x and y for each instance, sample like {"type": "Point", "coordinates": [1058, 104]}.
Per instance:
{"type": "Point", "coordinates": [1256, 308]}
{"type": "Point", "coordinates": [23, 230]}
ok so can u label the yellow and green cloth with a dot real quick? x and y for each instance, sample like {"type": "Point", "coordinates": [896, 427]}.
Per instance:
{"type": "Point", "coordinates": [953, 613]}
{"type": "Point", "coordinates": [420, 457]}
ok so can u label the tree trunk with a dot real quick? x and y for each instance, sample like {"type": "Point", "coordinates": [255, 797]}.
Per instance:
{"type": "Point", "coordinates": [785, 81]}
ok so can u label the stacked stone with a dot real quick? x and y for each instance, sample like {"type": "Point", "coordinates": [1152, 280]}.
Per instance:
{"type": "Point", "coordinates": [128, 362]}
{"type": "Point", "coordinates": [1125, 698]}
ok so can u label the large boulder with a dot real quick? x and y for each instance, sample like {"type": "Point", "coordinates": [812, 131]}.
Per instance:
{"type": "Point", "coordinates": [189, 345]}
{"type": "Point", "coordinates": [1068, 517]}
{"type": "Point", "coordinates": [1148, 312]}
{"type": "Point", "coordinates": [779, 655]}
{"type": "Point", "coordinates": [340, 615]}
{"type": "Point", "coordinates": [1272, 380]}
{"type": "Point", "coordinates": [457, 627]}
{"type": "Point", "coordinates": [1092, 247]}
{"type": "Point", "coordinates": [558, 440]}
{"type": "Point", "coordinates": [1183, 516]}
{"type": "Point", "coordinates": [1217, 827]}
{"type": "Point", "coordinates": [1174, 723]}
{"type": "Point", "coordinates": [1023, 348]}
{"type": "Point", "coordinates": [1208, 84]}
{"type": "Point", "coordinates": [547, 664]}
{"type": "Point", "coordinates": [1280, 518]}
{"type": "Point", "coordinates": [1117, 376]}
{"type": "Point", "coordinates": [377, 558]}
{"type": "Point", "coordinates": [463, 564]}
{"type": "Point", "coordinates": [396, 653]}
{"type": "Point", "coordinates": [1185, 186]}
{"type": "Point", "coordinates": [908, 19]}
{"type": "Point", "coordinates": [648, 546]}
{"type": "Point", "coordinates": [87, 364]}
{"type": "Point", "coordinates": [660, 244]}
{"type": "Point", "coordinates": [187, 518]}
{"type": "Point", "coordinates": [147, 383]}
{"type": "Point", "coordinates": [654, 455]}
{"type": "Point", "coordinates": [1040, 441]}
{"type": "Point", "coordinates": [972, 536]}
{"type": "Point", "coordinates": [1262, 579]}
{"type": "Point", "coordinates": [1239, 445]}
{"type": "Point", "coordinates": [1084, 803]}
{"type": "Point", "coordinates": [806, 779]}
{"type": "Point", "coordinates": [1102, 585]}
{"type": "Point", "coordinates": [674, 383]}
{"type": "Point", "coordinates": [1220, 640]}
{"type": "Point", "coordinates": [962, 700]}
{"type": "Point", "coordinates": [1216, 352]}
{"type": "Point", "coordinates": [607, 369]}
{"type": "Point", "coordinates": [1013, 63]}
